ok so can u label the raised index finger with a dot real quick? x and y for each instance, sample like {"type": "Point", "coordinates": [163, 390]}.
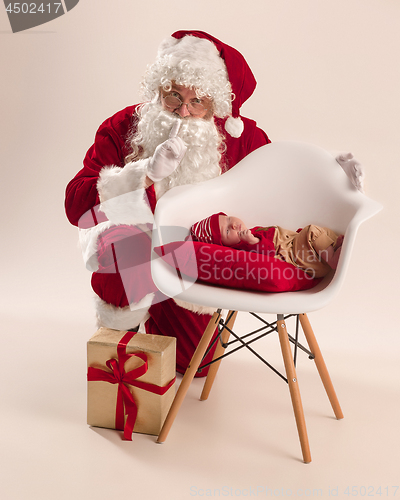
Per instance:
{"type": "Point", "coordinates": [175, 129]}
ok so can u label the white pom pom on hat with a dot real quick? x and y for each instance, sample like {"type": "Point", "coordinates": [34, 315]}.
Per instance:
{"type": "Point", "coordinates": [234, 126]}
{"type": "Point", "coordinates": [240, 77]}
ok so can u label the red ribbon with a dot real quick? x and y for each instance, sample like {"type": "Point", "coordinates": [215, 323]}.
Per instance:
{"type": "Point", "coordinates": [123, 379]}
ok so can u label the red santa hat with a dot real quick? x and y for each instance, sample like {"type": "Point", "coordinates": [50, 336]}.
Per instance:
{"type": "Point", "coordinates": [198, 60]}
{"type": "Point", "coordinates": [207, 230]}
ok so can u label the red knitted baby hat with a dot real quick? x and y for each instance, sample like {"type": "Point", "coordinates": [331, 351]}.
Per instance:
{"type": "Point", "coordinates": [207, 230]}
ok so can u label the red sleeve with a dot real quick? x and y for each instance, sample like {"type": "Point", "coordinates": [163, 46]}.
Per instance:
{"type": "Point", "coordinates": [108, 149]}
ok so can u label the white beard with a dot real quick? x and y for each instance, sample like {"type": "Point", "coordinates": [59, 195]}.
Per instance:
{"type": "Point", "coordinates": [203, 141]}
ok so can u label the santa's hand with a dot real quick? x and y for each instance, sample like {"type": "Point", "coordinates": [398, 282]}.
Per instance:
{"type": "Point", "coordinates": [354, 170]}
{"type": "Point", "coordinates": [167, 155]}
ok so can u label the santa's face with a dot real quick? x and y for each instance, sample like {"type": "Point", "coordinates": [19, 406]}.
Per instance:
{"type": "Point", "coordinates": [185, 102]}
{"type": "Point", "coordinates": [201, 137]}
{"type": "Point", "coordinates": [197, 129]}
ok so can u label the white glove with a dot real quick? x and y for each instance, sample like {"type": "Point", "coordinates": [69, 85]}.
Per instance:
{"type": "Point", "coordinates": [167, 155]}
{"type": "Point", "coordinates": [354, 170]}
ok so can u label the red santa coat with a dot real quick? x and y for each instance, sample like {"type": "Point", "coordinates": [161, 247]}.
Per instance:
{"type": "Point", "coordinates": [107, 200]}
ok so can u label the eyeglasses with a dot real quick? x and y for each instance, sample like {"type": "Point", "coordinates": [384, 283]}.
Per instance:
{"type": "Point", "coordinates": [194, 107]}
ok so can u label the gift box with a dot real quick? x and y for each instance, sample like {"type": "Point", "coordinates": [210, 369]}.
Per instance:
{"type": "Point", "coordinates": [131, 380]}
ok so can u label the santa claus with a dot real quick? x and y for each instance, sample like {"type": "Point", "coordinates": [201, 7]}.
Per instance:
{"type": "Point", "coordinates": [187, 130]}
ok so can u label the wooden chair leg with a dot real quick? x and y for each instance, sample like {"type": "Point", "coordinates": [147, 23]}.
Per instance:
{"type": "Point", "coordinates": [321, 366]}
{"type": "Point", "coordinates": [294, 388]}
{"type": "Point", "coordinates": [219, 351]}
{"type": "Point", "coordinates": [189, 375]}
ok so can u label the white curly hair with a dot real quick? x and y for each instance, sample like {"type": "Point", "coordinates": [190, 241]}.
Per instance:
{"type": "Point", "coordinates": [194, 63]}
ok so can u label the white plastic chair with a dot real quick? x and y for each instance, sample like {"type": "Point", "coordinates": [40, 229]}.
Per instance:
{"type": "Point", "coordinates": [288, 184]}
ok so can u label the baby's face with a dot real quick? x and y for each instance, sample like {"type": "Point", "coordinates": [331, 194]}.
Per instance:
{"type": "Point", "coordinates": [230, 228]}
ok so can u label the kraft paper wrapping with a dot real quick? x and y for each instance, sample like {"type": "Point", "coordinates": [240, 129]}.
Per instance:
{"type": "Point", "coordinates": [102, 396]}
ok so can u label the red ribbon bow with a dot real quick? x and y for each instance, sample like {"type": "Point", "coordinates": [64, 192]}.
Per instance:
{"type": "Point", "coordinates": [123, 379]}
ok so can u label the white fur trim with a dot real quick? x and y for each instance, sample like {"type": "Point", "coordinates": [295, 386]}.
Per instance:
{"type": "Point", "coordinates": [122, 193]}
{"type": "Point", "coordinates": [123, 200]}
{"type": "Point", "coordinates": [88, 242]}
{"type": "Point", "coordinates": [128, 208]}
{"type": "Point", "coordinates": [234, 126]}
{"type": "Point", "coordinates": [123, 318]}
{"type": "Point", "coordinates": [195, 307]}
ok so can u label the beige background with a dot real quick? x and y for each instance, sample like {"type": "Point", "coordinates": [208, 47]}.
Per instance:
{"type": "Point", "coordinates": [328, 73]}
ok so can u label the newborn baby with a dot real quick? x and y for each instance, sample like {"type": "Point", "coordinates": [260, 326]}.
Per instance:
{"type": "Point", "coordinates": [314, 249]}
